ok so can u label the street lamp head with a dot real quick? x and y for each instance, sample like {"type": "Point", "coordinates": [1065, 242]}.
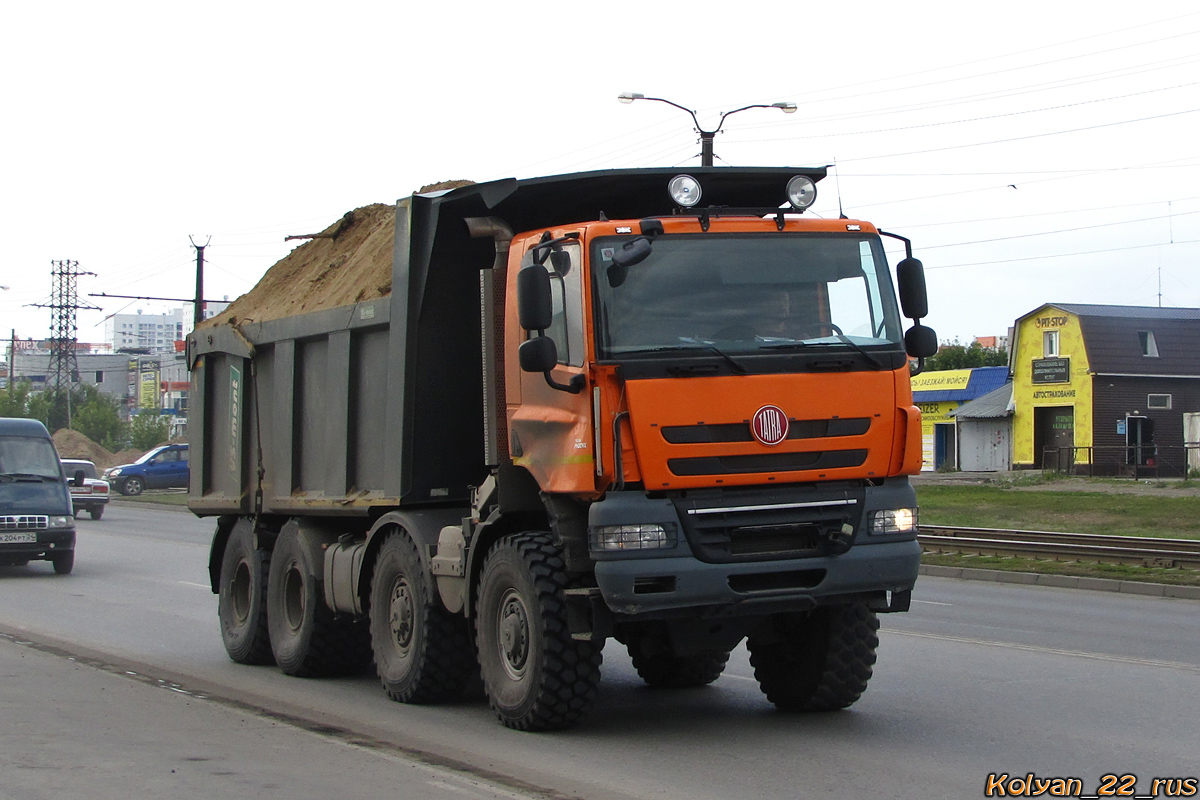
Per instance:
{"type": "Point", "coordinates": [788, 108]}
{"type": "Point", "coordinates": [629, 97]}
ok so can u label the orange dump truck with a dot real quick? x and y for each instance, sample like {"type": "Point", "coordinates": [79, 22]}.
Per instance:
{"type": "Point", "coordinates": [665, 409]}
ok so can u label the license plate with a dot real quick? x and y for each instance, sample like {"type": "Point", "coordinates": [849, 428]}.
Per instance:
{"type": "Point", "coordinates": [18, 537]}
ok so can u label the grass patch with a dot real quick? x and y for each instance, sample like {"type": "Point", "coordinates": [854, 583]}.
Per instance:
{"type": "Point", "coordinates": [1117, 572]}
{"type": "Point", "coordinates": [1067, 511]}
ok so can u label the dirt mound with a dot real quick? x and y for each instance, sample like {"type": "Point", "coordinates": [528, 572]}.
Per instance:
{"type": "Point", "coordinates": [127, 456]}
{"type": "Point", "coordinates": [73, 444]}
{"type": "Point", "coordinates": [348, 262]}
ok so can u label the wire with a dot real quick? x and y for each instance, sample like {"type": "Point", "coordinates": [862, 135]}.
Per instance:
{"type": "Point", "coordinates": [1061, 255]}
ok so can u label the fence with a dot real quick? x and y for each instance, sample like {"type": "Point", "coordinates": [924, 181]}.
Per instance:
{"type": "Point", "coordinates": [1155, 461]}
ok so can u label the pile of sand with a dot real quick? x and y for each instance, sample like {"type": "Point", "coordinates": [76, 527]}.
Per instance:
{"type": "Point", "coordinates": [348, 262]}
{"type": "Point", "coordinates": [127, 456]}
{"type": "Point", "coordinates": [73, 444]}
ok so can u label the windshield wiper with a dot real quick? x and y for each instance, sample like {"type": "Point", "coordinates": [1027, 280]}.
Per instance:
{"type": "Point", "coordinates": [841, 339]}
{"type": "Point", "coordinates": [24, 476]}
{"type": "Point", "coordinates": [696, 344]}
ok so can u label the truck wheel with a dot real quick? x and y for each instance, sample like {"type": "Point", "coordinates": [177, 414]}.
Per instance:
{"type": "Point", "coordinates": [535, 675]}
{"type": "Point", "coordinates": [306, 638]}
{"type": "Point", "coordinates": [242, 599]}
{"type": "Point", "coordinates": [96, 511]}
{"type": "Point", "coordinates": [132, 487]}
{"type": "Point", "coordinates": [63, 562]}
{"type": "Point", "coordinates": [423, 653]}
{"type": "Point", "coordinates": [666, 671]}
{"type": "Point", "coordinates": [817, 663]}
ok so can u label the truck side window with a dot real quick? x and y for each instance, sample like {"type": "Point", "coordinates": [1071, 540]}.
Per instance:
{"type": "Point", "coordinates": [566, 291]}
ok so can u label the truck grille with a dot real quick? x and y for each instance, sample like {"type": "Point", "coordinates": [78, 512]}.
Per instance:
{"type": "Point", "coordinates": [755, 526]}
{"type": "Point", "coordinates": [766, 462]}
{"type": "Point", "coordinates": [740, 431]}
{"type": "Point", "coordinates": [24, 522]}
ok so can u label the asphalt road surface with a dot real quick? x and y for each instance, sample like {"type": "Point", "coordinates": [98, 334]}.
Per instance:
{"type": "Point", "coordinates": [975, 682]}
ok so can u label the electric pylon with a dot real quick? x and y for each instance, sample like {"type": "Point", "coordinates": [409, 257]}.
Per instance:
{"type": "Point", "coordinates": [63, 372]}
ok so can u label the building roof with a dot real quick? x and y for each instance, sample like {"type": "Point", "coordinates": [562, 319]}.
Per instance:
{"type": "Point", "coordinates": [993, 405]}
{"type": "Point", "coordinates": [982, 380]}
{"type": "Point", "coordinates": [1113, 337]}
{"type": "Point", "coordinates": [1127, 312]}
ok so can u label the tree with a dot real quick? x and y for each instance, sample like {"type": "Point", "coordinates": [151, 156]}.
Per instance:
{"type": "Point", "coordinates": [14, 401]}
{"type": "Point", "coordinates": [147, 431]}
{"type": "Point", "coordinates": [956, 356]}
{"type": "Point", "coordinates": [98, 417]}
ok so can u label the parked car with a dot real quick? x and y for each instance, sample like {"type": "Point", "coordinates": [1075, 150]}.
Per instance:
{"type": "Point", "coordinates": [163, 467]}
{"type": "Point", "coordinates": [35, 506]}
{"type": "Point", "coordinates": [90, 496]}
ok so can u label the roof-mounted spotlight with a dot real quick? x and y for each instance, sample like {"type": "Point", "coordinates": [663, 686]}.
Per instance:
{"type": "Point", "coordinates": [685, 190]}
{"type": "Point", "coordinates": [801, 192]}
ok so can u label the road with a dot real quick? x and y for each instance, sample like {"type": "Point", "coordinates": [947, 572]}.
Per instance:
{"type": "Point", "coordinates": [977, 679]}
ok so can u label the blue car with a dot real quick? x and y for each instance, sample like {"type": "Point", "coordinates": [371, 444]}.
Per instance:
{"type": "Point", "coordinates": [163, 467]}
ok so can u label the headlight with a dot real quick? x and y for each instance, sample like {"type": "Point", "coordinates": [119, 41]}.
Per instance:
{"type": "Point", "coordinates": [61, 521]}
{"type": "Point", "coordinates": [112, 473]}
{"type": "Point", "coordinates": [633, 537]}
{"type": "Point", "coordinates": [684, 190]}
{"type": "Point", "coordinates": [894, 520]}
{"type": "Point", "coordinates": [801, 192]}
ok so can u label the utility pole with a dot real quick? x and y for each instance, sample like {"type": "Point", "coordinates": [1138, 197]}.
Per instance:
{"type": "Point", "coordinates": [198, 311]}
{"type": "Point", "coordinates": [63, 372]}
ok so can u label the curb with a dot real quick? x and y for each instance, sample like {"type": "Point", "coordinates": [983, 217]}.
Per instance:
{"type": "Point", "coordinates": [1063, 581]}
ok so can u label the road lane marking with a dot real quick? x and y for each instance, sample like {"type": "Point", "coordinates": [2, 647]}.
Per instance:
{"type": "Point", "coordinates": [932, 603]}
{"type": "Point", "coordinates": [1033, 648]}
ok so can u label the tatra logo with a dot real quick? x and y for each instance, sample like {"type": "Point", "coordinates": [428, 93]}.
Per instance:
{"type": "Point", "coordinates": [770, 425]}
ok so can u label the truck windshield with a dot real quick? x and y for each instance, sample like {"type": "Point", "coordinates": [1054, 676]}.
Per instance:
{"type": "Point", "coordinates": [28, 455]}
{"type": "Point", "coordinates": [745, 293]}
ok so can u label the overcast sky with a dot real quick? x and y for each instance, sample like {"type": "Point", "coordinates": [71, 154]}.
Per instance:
{"type": "Point", "coordinates": [1033, 152]}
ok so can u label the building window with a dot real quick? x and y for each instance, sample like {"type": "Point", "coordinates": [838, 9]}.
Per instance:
{"type": "Point", "coordinates": [1149, 347]}
{"type": "Point", "coordinates": [1049, 344]}
{"type": "Point", "coordinates": [1159, 401]}
{"type": "Point", "coordinates": [99, 376]}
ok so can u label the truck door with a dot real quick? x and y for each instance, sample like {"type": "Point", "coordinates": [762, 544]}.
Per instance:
{"type": "Point", "coordinates": [549, 429]}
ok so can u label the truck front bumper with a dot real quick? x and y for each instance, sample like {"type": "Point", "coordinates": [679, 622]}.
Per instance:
{"type": "Point", "coordinates": [755, 551]}
{"type": "Point", "coordinates": [653, 586]}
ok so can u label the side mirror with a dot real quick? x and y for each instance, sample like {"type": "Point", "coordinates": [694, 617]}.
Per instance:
{"type": "Point", "coordinates": [539, 354]}
{"type": "Point", "coordinates": [920, 341]}
{"type": "Point", "coordinates": [910, 278]}
{"type": "Point", "coordinates": [534, 306]}
{"type": "Point", "coordinates": [635, 251]}
{"type": "Point", "coordinates": [560, 260]}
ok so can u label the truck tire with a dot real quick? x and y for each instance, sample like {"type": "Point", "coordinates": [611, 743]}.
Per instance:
{"type": "Point", "coordinates": [306, 637]}
{"type": "Point", "coordinates": [63, 562]}
{"type": "Point", "coordinates": [242, 598]}
{"type": "Point", "coordinates": [667, 671]}
{"type": "Point", "coordinates": [535, 675]}
{"type": "Point", "coordinates": [819, 663]}
{"type": "Point", "coordinates": [423, 653]}
{"type": "Point", "coordinates": [132, 487]}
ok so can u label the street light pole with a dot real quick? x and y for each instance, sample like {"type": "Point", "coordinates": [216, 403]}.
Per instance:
{"type": "Point", "coordinates": [706, 137]}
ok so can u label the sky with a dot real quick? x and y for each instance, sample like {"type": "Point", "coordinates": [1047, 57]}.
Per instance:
{"type": "Point", "coordinates": [1033, 152]}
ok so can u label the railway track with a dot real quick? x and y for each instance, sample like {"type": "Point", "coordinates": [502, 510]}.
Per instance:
{"type": "Point", "coordinates": [1137, 550]}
